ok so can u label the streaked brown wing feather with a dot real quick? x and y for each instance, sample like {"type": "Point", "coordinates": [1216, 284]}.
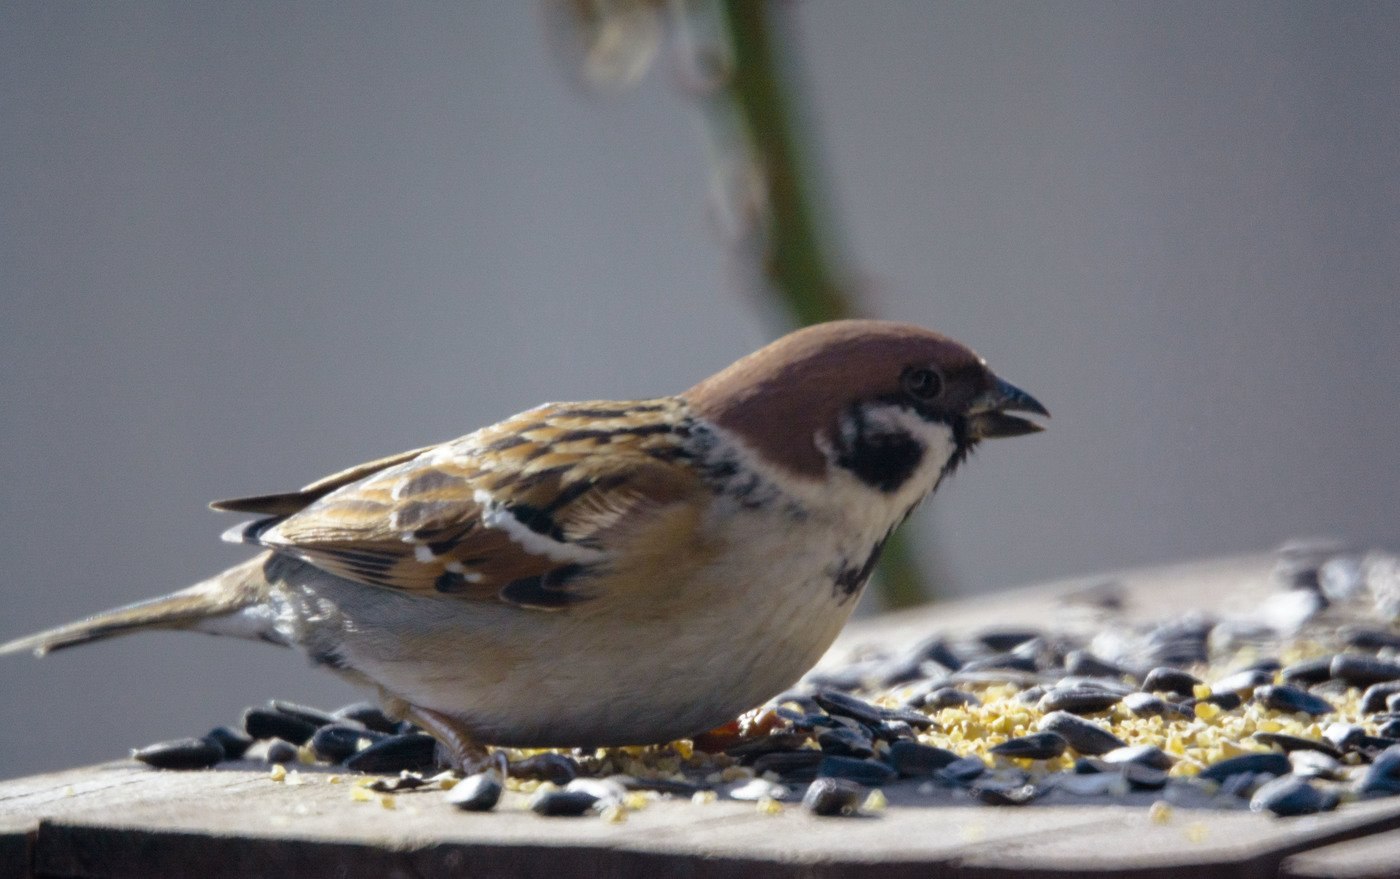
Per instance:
{"type": "Point", "coordinates": [542, 495]}
{"type": "Point", "coordinates": [287, 503]}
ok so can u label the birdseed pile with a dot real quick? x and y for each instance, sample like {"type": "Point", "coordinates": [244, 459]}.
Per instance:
{"type": "Point", "coordinates": [1292, 709]}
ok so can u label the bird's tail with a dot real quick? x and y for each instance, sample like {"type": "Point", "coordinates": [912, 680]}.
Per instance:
{"type": "Point", "coordinates": [217, 605]}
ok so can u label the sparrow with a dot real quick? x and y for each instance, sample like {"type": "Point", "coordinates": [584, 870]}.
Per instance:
{"type": "Point", "coordinates": [606, 573]}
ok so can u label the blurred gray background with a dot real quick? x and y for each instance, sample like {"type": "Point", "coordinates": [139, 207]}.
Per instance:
{"type": "Point", "coordinates": [246, 244]}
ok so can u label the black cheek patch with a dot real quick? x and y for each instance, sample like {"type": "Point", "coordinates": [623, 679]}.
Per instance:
{"type": "Point", "coordinates": [883, 460]}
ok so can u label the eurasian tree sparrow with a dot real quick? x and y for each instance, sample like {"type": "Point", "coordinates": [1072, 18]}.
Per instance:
{"type": "Point", "coordinates": [607, 573]}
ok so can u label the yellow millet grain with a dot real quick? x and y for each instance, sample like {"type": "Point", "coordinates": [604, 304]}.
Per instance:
{"type": "Point", "coordinates": [875, 802]}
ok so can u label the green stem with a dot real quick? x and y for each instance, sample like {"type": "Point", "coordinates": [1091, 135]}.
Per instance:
{"type": "Point", "coordinates": [795, 262]}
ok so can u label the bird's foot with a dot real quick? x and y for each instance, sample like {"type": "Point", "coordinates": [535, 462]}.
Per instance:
{"type": "Point", "coordinates": [455, 743]}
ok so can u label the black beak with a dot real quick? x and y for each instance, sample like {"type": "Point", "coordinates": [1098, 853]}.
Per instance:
{"type": "Point", "coordinates": [987, 416]}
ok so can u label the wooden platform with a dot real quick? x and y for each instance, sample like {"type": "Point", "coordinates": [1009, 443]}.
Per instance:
{"type": "Point", "coordinates": [124, 820]}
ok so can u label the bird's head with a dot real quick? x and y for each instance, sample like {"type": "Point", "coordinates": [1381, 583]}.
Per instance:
{"type": "Point", "coordinates": [874, 398]}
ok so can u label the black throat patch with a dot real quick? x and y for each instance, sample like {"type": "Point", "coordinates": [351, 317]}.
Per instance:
{"type": "Point", "coordinates": [878, 457]}
{"type": "Point", "coordinates": [851, 579]}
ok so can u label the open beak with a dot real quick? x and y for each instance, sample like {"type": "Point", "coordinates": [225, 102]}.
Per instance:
{"type": "Point", "coordinates": [988, 418]}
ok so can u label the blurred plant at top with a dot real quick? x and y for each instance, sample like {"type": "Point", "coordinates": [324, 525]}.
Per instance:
{"type": "Point", "coordinates": [765, 194]}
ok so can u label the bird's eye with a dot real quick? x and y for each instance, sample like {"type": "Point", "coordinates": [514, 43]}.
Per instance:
{"type": "Point", "coordinates": [922, 383]}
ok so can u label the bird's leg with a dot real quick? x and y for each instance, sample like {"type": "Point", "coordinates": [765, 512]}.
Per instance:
{"type": "Point", "coordinates": [464, 754]}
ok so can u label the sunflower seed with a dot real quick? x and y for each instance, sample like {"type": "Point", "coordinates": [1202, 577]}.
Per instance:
{"type": "Point", "coordinates": [1289, 795]}
{"type": "Point", "coordinates": [368, 714]}
{"type": "Point", "coordinates": [1271, 763]}
{"type": "Point", "coordinates": [180, 754]}
{"type": "Point", "coordinates": [1309, 671]}
{"type": "Point", "coordinates": [832, 797]}
{"type": "Point", "coordinates": [1165, 679]}
{"type": "Point", "coordinates": [281, 751]}
{"type": "Point", "coordinates": [1083, 736]}
{"type": "Point", "coordinates": [1080, 700]}
{"type": "Point", "coordinates": [313, 716]}
{"type": "Point", "coordinates": [477, 793]}
{"type": "Point", "coordinates": [846, 743]}
{"type": "Point", "coordinates": [233, 743]}
{"type": "Point", "coordinates": [1378, 697]}
{"type": "Point", "coordinates": [841, 704]}
{"type": "Point", "coordinates": [411, 751]}
{"type": "Point", "coordinates": [546, 766]}
{"type": "Point", "coordinates": [1362, 671]}
{"type": "Point", "coordinates": [563, 803]}
{"type": "Point", "coordinates": [871, 772]}
{"type": "Point", "coordinates": [1290, 699]}
{"type": "Point", "coordinates": [269, 723]}
{"type": "Point", "coordinates": [1037, 746]}
{"type": "Point", "coordinates": [1289, 744]}
{"type": "Point", "coordinates": [335, 742]}
{"type": "Point", "coordinates": [913, 760]}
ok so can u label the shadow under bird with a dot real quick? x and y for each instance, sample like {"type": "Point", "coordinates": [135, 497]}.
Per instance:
{"type": "Point", "coordinates": [606, 573]}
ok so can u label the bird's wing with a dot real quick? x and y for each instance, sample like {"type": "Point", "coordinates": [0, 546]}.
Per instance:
{"type": "Point", "coordinates": [521, 511]}
{"type": "Point", "coordinates": [287, 503]}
